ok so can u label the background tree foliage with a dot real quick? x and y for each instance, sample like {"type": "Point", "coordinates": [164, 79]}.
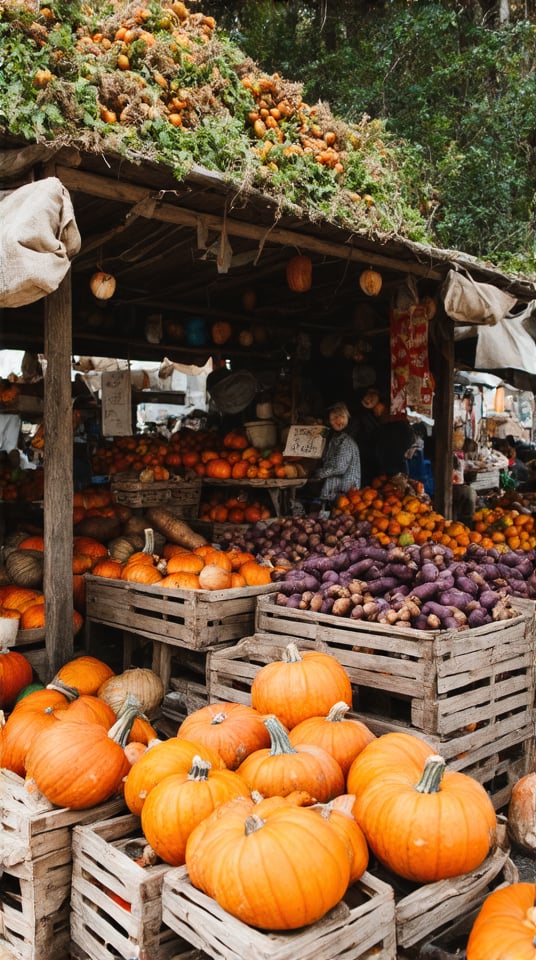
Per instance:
{"type": "Point", "coordinates": [457, 80]}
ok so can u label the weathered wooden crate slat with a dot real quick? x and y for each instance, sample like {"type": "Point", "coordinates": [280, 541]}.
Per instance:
{"type": "Point", "coordinates": [36, 868]}
{"type": "Point", "coordinates": [116, 904]}
{"type": "Point", "coordinates": [428, 679]}
{"type": "Point", "coordinates": [31, 826]}
{"type": "Point", "coordinates": [426, 909]}
{"type": "Point", "coordinates": [497, 751]}
{"type": "Point", "coordinates": [183, 494]}
{"type": "Point", "coordinates": [197, 619]}
{"type": "Point", "coordinates": [362, 925]}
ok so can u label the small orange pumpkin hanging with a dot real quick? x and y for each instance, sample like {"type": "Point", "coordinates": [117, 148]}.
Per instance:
{"type": "Point", "coordinates": [370, 282]}
{"type": "Point", "coordinates": [102, 285]}
{"type": "Point", "coordinates": [221, 332]}
{"type": "Point", "coordinates": [299, 272]}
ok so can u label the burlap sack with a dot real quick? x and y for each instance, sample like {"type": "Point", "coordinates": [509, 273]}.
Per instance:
{"type": "Point", "coordinates": [38, 237]}
{"type": "Point", "coordinates": [470, 302]}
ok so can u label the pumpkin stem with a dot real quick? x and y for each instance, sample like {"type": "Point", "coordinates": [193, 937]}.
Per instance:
{"type": "Point", "coordinates": [149, 540]}
{"type": "Point", "coordinates": [219, 717]}
{"type": "Point", "coordinates": [199, 770]}
{"type": "Point", "coordinates": [432, 774]}
{"type": "Point", "coordinates": [291, 654]}
{"type": "Point", "coordinates": [131, 702]}
{"type": "Point", "coordinates": [338, 711]}
{"type": "Point", "coordinates": [280, 742]}
{"type": "Point", "coordinates": [253, 823]}
{"type": "Point", "coordinates": [256, 796]}
{"type": "Point", "coordinates": [70, 692]}
{"type": "Point", "coordinates": [120, 731]}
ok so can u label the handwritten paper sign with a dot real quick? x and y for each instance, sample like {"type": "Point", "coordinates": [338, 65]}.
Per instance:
{"type": "Point", "coordinates": [305, 441]}
{"type": "Point", "coordinates": [116, 403]}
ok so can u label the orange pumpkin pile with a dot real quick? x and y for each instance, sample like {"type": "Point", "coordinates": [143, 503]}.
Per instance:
{"type": "Point", "coordinates": [221, 509]}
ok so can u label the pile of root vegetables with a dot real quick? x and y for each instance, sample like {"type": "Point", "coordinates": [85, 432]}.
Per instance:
{"type": "Point", "coordinates": [335, 566]}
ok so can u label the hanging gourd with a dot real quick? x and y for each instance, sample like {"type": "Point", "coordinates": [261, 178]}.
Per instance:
{"type": "Point", "coordinates": [245, 338]}
{"type": "Point", "coordinates": [299, 272]}
{"type": "Point", "coordinates": [102, 285]}
{"type": "Point", "coordinates": [221, 332]}
{"type": "Point", "coordinates": [370, 282]}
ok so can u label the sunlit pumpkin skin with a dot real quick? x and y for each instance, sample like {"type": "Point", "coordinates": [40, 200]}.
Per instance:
{"type": "Point", "coordinates": [338, 813]}
{"type": "Point", "coordinates": [139, 682]}
{"type": "Point", "coordinates": [255, 574]}
{"type": "Point", "coordinates": [304, 684]}
{"type": "Point", "coordinates": [437, 825]}
{"type": "Point", "coordinates": [87, 709]}
{"type": "Point", "coordinates": [179, 802]}
{"type": "Point", "coordinates": [384, 754]}
{"type": "Point", "coordinates": [343, 738]}
{"type": "Point", "coordinates": [505, 928]}
{"type": "Point", "coordinates": [76, 765]}
{"type": "Point", "coordinates": [233, 730]}
{"type": "Point", "coordinates": [278, 873]}
{"type": "Point", "coordinates": [85, 673]}
{"type": "Point", "coordinates": [15, 673]}
{"type": "Point", "coordinates": [163, 760]}
{"type": "Point", "coordinates": [282, 768]}
{"type": "Point", "coordinates": [18, 733]}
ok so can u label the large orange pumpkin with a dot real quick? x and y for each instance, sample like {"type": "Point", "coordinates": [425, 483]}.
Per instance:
{"type": "Point", "coordinates": [163, 760]}
{"type": "Point", "coordinates": [343, 738]}
{"type": "Point", "coordinates": [15, 673]}
{"type": "Point", "coordinates": [301, 685]}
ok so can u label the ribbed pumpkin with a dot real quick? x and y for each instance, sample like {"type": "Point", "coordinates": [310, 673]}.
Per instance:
{"type": "Point", "coordinates": [163, 760]}
{"type": "Point", "coordinates": [278, 872]}
{"type": "Point", "coordinates": [109, 568]}
{"type": "Point", "coordinates": [121, 548]}
{"type": "Point", "coordinates": [301, 685]}
{"type": "Point", "coordinates": [282, 768]}
{"type": "Point", "coordinates": [343, 738]}
{"type": "Point", "coordinates": [85, 673]}
{"type": "Point", "coordinates": [505, 928]}
{"type": "Point", "coordinates": [233, 730]}
{"type": "Point", "coordinates": [522, 812]}
{"type": "Point", "coordinates": [185, 562]}
{"type": "Point", "coordinates": [15, 673]}
{"type": "Point", "coordinates": [78, 765]}
{"type": "Point", "coordinates": [28, 717]}
{"type": "Point", "coordinates": [299, 273]}
{"type": "Point", "coordinates": [179, 802]}
{"type": "Point", "coordinates": [423, 822]}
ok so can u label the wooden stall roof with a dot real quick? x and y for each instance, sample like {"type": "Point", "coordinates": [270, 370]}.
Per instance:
{"type": "Point", "coordinates": [163, 239]}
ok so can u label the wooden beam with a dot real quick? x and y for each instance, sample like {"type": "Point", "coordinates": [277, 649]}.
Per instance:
{"type": "Point", "coordinates": [58, 494]}
{"type": "Point", "coordinates": [442, 363]}
{"type": "Point", "coordinates": [76, 180]}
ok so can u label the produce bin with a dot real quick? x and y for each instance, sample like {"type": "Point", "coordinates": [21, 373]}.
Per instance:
{"type": "Point", "coordinates": [197, 619]}
{"type": "Point", "coordinates": [468, 693]}
{"type": "Point", "coordinates": [183, 495]}
{"type": "Point", "coordinates": [361, 926]}
{"type": "Point", "coordinates": [36, 868]}
{"type": "Point", "coordinates": [116, 903]}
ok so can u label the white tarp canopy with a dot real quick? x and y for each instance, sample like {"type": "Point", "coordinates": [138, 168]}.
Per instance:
{"type": "Point", "coordinates": [38, 238]}
{"type": "Point", "coordinates": [510, 343]}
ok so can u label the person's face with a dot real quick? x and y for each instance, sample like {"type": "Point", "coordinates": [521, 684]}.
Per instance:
{"type": "Point", "coordinates": [337, 421]}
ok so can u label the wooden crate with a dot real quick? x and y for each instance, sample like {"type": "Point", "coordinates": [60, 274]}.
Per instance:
{"type": "Point", "coordinates": [421, 912]}
{"type": "Point", "coordinates": [178, 492]}
{"type": "Point", "coordinates": [78, 953]}
{"type": "Point", "coordinates": [116, 904]}
{"type": "Point", "coordinates": [36, 868]}
{"type": "Point", "coordinates": [361, 926]}
{"type": "Point", "coordinates": [438, 681]}
{"type": "Point", "coordinates": [497, 752]}
{"type": "Point", "coordinates": [197, 619]}
{"type": "Point", "coordinates": [449, 940]}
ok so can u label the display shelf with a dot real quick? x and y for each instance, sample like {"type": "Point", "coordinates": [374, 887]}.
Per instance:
{"type": "Point", "coordinates": [279, 491]}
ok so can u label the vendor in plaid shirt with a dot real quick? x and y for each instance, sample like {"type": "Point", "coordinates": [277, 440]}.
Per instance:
{"type": "Point", "coordinates": [341, 466]}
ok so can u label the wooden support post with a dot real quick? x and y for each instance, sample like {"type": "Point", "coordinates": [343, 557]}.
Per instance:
{"type": "Point", "coordinates": [442, 362]}
{"type": "Point", "coordinates": [58, 495]}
